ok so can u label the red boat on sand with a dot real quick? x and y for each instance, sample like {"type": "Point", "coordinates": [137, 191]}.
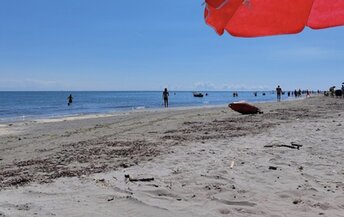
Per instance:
{"type": "Point", "coordinates": [244, 108]}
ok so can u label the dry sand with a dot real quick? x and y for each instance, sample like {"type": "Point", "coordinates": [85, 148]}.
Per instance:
{"type": "Point", "coordinates": [204, 161]}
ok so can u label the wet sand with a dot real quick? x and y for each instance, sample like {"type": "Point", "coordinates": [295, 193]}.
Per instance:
{"type": "Point", "coordinates": [181, 162]}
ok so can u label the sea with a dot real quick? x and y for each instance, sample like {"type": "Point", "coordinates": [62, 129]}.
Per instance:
{"type": "Point", "coordinates": [32, 105]}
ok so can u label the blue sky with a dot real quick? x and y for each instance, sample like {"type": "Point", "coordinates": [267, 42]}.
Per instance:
{"type": "Point", "coordinates": [149, 45]}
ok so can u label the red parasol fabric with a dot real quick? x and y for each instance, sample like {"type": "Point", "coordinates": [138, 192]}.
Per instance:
{"type": "Point", "coordinates": [251, 18]}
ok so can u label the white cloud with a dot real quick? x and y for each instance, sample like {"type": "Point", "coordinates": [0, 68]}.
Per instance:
{"type": "Point", "coordinates": [244, 87]}
{"type": "Point", "coordinates": [204, 86]}
{"type": "Point", "coordinates": [220, 87]}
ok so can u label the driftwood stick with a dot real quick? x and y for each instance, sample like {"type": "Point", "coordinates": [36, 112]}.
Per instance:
{"type": "Point", "coordinates": [287, 146]}
{"type": "Point", "coordinates": [141, 180]}
{"type": "Point", "coordinates": [296, 145]}
{"type": "Point", "coordinates": [292, 146]}
{"type": "Point", "coordinates": [138, 179]}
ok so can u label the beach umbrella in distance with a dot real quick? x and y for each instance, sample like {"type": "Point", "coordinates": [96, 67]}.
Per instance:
{"type": "Point", "coordinates": [252, 18]}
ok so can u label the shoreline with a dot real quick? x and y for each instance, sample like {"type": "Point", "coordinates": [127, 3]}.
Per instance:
{"type": "Point", "coordinates": [33, 113]}
{"type": "Point", "coordinates": [12, 127]}
{"type": "Point", "coordinates": [205, 162]}
{"type": "Point", "coordinates": [45, 119]}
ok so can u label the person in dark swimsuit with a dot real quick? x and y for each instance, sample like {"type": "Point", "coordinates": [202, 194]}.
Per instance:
{"type": "Point", "coordinates": [165, 95]}
{"type": "Point", "coordinates": [278, 92]}
{"type": "Point", "coordinates": [70, 99]}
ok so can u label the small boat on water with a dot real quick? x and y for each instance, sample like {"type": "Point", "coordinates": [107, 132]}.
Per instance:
{"type": "Point", "coordinates": [244, 108]}
{"type": "Point", "coordinates": [197, 94]}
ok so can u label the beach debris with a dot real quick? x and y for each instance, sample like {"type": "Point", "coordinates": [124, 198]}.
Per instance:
{"type": "Point", "coordinates": [276, 145]}
{"type": "Point", "coordinates": [297, 201]}
{"type": "Point", "coordinates": [232, 164]}
{"type": "Point", "coordinates": [110, 198]}
{"type": "Point", "coordinates": [123, 165]}
{"type": "Point", "coordinates": [127, 176]}
{"type": "Point", "coordinates": [272, 168]}
{"type": "Point", "coordinates": [101, 182]}
{"type": "Point", "coordinates": [292, 146]}
{"type": "Point", "coordinates": [296, 145]}
{"type": "Point", "coordinates": [24, 207]}
{"type": "Point", "coordinates": [16, 181]}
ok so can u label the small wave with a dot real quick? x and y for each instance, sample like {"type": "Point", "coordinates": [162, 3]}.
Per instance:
{"type": "Point", "coordinates": [139, 107]}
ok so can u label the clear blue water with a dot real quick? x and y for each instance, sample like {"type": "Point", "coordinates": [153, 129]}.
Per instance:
{"type": "Point", "coordinates": [17, 106]}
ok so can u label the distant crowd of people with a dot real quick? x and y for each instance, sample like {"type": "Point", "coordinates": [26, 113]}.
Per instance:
{"type": "Point", "coordinates": [333, 92]}
{"type": "Point", "coordinates": [295, 93]}
{"type": "Point", "coordinates": [279, 92]}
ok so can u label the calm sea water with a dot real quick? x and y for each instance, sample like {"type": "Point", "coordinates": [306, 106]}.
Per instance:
{"type": "Point", "coordinates": [17, 106]}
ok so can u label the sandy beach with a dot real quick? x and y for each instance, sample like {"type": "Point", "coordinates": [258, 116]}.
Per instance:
{"type": "Point", "coordinates": [207, 162]}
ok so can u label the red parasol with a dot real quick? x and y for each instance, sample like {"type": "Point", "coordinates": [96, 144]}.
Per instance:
{"type": "Point", "coordinates": [250, 18]}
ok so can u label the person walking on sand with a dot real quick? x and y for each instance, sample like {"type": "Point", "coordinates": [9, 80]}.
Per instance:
{"type": "Point", "coordinates": [343, 90]}
{"type": "Point", "coordinates": [70, 99]}
{"type": "Point", "coordinates": [279, 93]}
{"type": "Point", "coordinates": [165, 95]}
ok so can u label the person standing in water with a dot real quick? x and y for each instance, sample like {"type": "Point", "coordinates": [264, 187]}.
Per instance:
{"type": "Point", "coordinates": [165, 97]}
{"type": "Point", "coordinates": [70, 99]}
{"type": "Point", "coordinates": [279, 93]}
